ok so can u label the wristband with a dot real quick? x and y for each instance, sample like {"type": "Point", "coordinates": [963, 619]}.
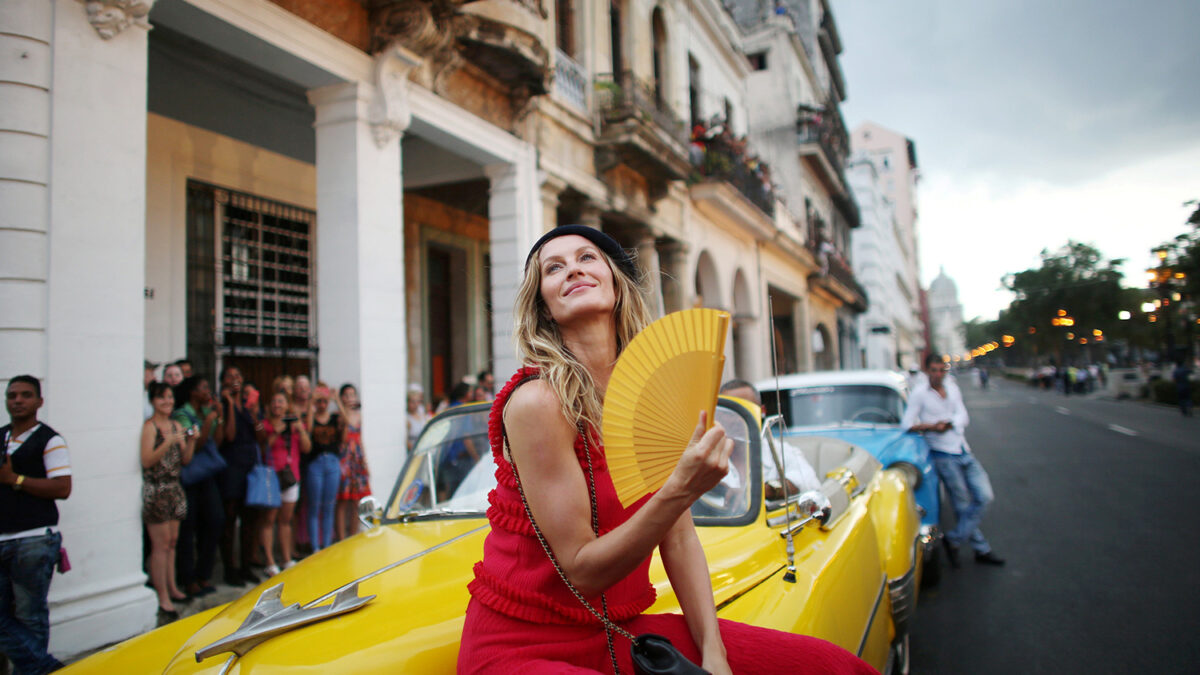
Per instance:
{"type": "Point", "coordinates": [17, 485]}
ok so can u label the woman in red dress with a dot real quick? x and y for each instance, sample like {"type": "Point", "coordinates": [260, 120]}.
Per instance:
{"type": "Point", "coordinates": [577, 307]}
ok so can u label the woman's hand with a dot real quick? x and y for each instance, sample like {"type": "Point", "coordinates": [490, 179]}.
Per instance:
{"type": "Point", "coordinates": [704, 463]}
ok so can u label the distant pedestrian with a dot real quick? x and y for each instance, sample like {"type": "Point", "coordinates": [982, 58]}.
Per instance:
{"type": "Point", "coordinates": [324, 470]}
{"type": "Point", "coordinates": [165, 447]}
{"type": "Point", "coordinates": [35, 471]}
{"type": "Point", "coordinates": [356, 479]}
{"type": "Point", "coordinates": [200, 531]}
{"type": "Point", "coordinates": [239, 447]}
{"type": "Point", "coordinates": [938, 411]}
{"type": "Point", "coordinates": [1183, 387]}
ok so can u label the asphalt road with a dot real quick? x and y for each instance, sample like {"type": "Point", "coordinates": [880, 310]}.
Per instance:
{"type": "Point", "coordinates": [1097, 512]}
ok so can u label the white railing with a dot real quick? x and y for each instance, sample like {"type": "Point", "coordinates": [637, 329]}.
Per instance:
{"type": "Point", "coordinates": [570, 81]}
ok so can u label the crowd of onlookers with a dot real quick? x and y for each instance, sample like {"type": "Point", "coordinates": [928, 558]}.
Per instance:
{"type": "Point", "coordinates": [199, 445]}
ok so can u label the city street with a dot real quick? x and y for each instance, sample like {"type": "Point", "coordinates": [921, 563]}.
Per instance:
{"type": "Point", "coordinates": [1096, 512]}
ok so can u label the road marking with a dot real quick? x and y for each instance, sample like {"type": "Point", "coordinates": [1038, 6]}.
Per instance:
{"type": "Point", "coordinates": [1061, 410]}
{"type": "Point", "coordinates": [1122, 430]}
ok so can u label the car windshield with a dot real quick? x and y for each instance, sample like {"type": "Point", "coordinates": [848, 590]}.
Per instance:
{"type": "Point", "coordinates": [838, 405]}
{"type": "Point", "coordinates": [451, 471]}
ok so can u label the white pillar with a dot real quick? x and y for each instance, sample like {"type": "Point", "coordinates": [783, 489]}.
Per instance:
{"type": "Point", "coordinates": [360, 269]}
{"type": "Point", "coordinates": [515, 221]}
{"type": "Point", "coordinates": [647, 257]}
{"type": "Point", "coordinates": [94, 309]}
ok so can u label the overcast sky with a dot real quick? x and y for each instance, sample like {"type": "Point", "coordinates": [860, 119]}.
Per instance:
{"type": "Point", "coordinates": [1035, 122]}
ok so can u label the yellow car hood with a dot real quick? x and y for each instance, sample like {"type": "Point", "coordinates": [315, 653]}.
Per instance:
{"type": "Point", "coordinates": [412, 625]}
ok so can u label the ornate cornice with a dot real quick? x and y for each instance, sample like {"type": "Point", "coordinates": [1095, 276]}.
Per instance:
{"type": "Point", "coordinates": [389, 113]}
{"type": "Point", "coordinates": [110, 17]}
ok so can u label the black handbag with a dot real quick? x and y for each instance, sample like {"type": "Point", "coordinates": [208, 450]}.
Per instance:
{"type": "Point", "coordinates": [652, 654]}
{"type": "Point", "coordinates": [286, 477]}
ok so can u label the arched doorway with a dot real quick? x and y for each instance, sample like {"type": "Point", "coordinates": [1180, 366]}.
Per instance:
{"type": "Point", "coordinates": [824, 349]}
{"type": "Point", "coordinates": [708, 285]}
{"type": "Point", "coordinates": [744, 322]}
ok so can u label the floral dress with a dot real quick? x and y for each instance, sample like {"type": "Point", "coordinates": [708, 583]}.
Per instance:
{"type": "Point", "coordinates": [163, 498]}
{"type": "Point", "coordinates": [356, 480]}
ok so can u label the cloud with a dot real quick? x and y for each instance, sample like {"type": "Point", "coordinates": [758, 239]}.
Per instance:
{"type": "Point", "coordinates": [1060, 91]}
{"type": "Point", "coordinates": [979, 232]}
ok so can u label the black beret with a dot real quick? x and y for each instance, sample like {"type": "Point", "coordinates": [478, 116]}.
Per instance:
{"type": "Point", "coordinates": [605, 242]}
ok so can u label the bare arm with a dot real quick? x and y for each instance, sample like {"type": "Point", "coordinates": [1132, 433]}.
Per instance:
{"type": "Point", "coordinates": [189, 444]}
{"type": "Point", "coordinates": [557, 490]}
{"type": "Point", "coordinates": [46, 488]}
{"type": "Point", "coordinates": [683, 558]}
{"type": "Point", "coordinates": [305, 439]}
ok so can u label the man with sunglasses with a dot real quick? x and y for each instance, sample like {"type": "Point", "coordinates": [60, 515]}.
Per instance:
{"type": "Point", "coordinates": [937, 410]}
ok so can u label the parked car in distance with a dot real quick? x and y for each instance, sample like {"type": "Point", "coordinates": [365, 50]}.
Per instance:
{"type": "Point", "coordinates": [840, 563]}
{"type": "Point", "coordinates": [863, 407]}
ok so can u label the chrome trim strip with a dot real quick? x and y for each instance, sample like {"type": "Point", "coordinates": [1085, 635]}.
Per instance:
{"type": "Point", "coordinates": [394, 565]}
{"type": "Point", "coordinates": [871, 619]}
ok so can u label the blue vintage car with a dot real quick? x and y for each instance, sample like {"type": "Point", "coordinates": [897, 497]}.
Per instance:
{"type": "Point", "coordinates": [863, 407]}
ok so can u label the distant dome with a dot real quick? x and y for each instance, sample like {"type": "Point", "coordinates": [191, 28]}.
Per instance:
{"type": "Point", "coordinates": [943, 285]}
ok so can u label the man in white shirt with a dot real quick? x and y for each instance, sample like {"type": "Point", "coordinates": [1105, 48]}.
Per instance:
{"type": "Point", "coordinates": [798, 473]}
{"type": "Point", "coordinates": [35, 470]}
{"type": "Point", "coordinates": [937, 410]}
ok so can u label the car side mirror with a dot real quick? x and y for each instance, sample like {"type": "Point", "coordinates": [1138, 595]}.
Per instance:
{"type": "Point", "coordinates": [369, 512]}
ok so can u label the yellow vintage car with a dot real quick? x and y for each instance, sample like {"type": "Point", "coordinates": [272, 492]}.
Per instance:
{"type": "Point", "coordinates": [840, 563]}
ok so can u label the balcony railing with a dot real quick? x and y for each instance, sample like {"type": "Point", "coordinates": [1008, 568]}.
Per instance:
{"type": "Point", "coordinates": [720, 160]}
{"type": "Point", "coordinates": [622, 97]}
{"type": "Point", "coordinates": [823, 127]}
{"type": "Point", "coordinates": [570, 81]}
{"type": "Point", "coordinates": [834, 266]}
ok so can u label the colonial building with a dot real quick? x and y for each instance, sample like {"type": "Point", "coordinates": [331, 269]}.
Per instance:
{"type": "Point", "coordinates": [885, 175]}
{"type": "Point", "coordinates": [348, 189]}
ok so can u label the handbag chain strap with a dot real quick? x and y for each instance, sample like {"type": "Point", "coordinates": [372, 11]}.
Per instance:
{"type": "Point", "coordinates": [609, 626]}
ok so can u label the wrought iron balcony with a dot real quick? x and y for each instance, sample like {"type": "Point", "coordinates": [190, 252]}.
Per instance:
{"type": "Point", "coordinates": [719, 161]}
{"type": "Point", "coordinates": [821, 136]}
{"type": "Point", "coordinates": [637, 130]}
{"type": "Point", "coordinates": [570, 81]}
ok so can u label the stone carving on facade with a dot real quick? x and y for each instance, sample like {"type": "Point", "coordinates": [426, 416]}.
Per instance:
{"type": "Point", "coordinates": [110, 17]}
{"type": "Point", "coordinates": [389, 113]}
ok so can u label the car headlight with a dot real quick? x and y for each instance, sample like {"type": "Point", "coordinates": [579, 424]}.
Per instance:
{"type": "Point", "coordinates": [911, 471]}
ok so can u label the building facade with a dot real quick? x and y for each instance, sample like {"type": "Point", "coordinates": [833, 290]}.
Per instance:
{"type": "Point", "coordinates": [348, 189]}
{"type": "Point", "coordinates": [891, 326]}
{"type": "Point", "coordinates": [886, 167]}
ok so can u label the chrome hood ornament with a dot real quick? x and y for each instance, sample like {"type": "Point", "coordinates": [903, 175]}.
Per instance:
{"type": "Point", "coordinates": [270, 618]}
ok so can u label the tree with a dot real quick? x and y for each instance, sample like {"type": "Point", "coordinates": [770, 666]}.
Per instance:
{"type": "Point", "coordinates": [1073, 293]}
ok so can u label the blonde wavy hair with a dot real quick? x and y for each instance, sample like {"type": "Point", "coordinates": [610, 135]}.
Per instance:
{"type": "Point", "coordinates": [539, 343]}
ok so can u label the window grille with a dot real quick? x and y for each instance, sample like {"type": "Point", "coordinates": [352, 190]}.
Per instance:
{"type": "Point", "coordinates": [265, 275]}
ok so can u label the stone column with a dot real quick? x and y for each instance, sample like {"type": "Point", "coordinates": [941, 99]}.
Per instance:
{"type": "Point", "coordinates": [72, 232]}
{"type": "Point", "coordinates": [552, 189]}
{"type": "Point", "coordinates": [673, 264]}
{"type": "Point", "coordinates": [515, 221]}
{"type": "Point", "coordinates": [647, 260]}
{"type": "Point", "coordinates": [360, 265]}
{"type": "Point", "coordinates": [589, 214]}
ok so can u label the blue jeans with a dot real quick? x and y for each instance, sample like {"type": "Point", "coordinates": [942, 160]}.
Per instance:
{"type": "Point", "coordinates": [26, 565]}
{"type": "Point", "coordinates": [324, 474]}
{"type": "Point", "coordinates": [970, 491]}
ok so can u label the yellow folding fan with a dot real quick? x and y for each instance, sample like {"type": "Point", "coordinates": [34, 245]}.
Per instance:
{"type": "Point", "coordinates": [663, 379]}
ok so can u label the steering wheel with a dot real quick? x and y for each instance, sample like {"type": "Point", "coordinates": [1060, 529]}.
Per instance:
{"type": "Point", "coordinates": [885, 416]}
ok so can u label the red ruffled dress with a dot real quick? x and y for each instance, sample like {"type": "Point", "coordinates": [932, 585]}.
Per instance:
{"type": "Point", "coordinates": [522, 618]}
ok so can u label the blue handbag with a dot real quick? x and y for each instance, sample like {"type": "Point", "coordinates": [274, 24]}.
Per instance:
{"type": "Point", "coordinates": [206, 461]}
{"type": "Point", "coordinates": [262, 487]}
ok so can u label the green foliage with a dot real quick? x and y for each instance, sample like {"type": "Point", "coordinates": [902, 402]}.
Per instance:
{"type": "Point", "coordinates": [1074, 278]}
